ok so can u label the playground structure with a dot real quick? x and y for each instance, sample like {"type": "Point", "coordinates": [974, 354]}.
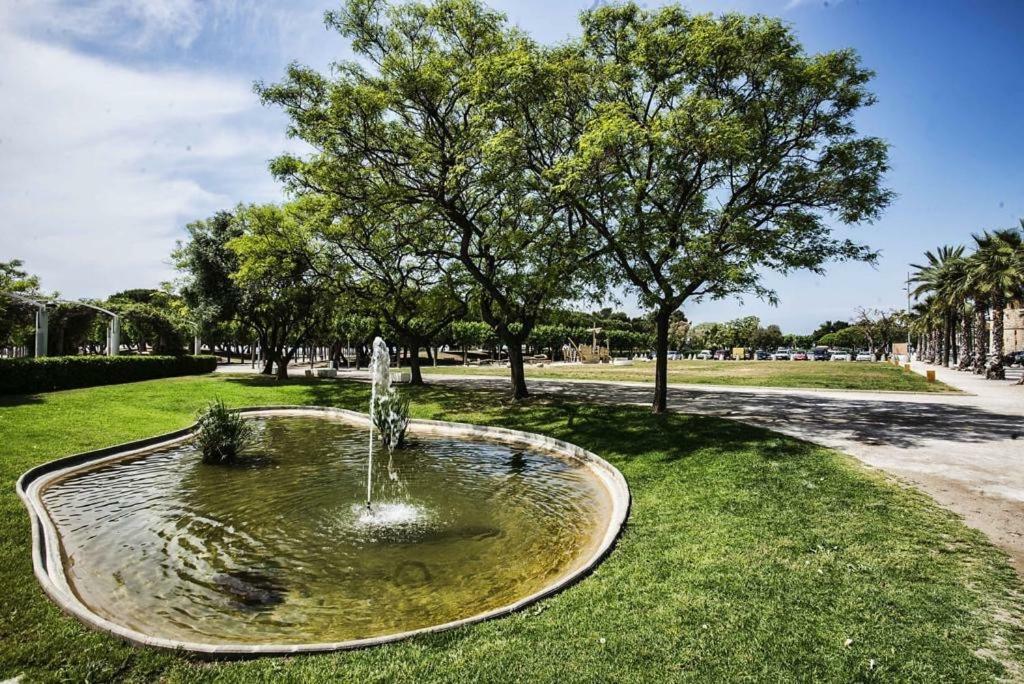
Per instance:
{"type": "Point", "coordinates": [113, 341]}
{"type": "Point", "coordinates": [592, 353]}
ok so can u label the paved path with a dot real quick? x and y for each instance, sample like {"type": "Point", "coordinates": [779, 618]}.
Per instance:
{"type": "Point", "coordinates": [965, 450]}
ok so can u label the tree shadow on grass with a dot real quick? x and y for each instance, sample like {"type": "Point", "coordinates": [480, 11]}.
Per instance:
{"type": "Point", "coordinates": [890, 422]}
{"type": "Point", "coordinates": [9, 400]}
{"type": "Point", "coordinates": [614, 430]}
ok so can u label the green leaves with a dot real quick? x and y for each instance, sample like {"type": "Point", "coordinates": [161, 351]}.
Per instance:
{"type": "Point", "coordinates": [681, 155]}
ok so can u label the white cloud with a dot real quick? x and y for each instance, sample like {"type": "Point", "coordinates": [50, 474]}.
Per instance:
{"type": "Point", "coordinates": [102, 164]}
{"type": "Point", "coordinates": [179, 21]}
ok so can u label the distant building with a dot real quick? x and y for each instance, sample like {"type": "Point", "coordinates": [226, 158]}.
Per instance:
{"type": "Point", "coordinates": [1013, 329]}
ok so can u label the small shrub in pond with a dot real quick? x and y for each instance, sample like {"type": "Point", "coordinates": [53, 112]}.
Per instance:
{"type": "Point", "coordinates": [391, 418]}
{"type": "Point", "coordinates": [222, 434]}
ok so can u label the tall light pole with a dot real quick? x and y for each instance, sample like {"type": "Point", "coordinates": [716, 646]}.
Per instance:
{"type": "Point", "coordinates": [908, 316]}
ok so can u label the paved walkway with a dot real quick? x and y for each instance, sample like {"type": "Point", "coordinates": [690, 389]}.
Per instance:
{"type": "Point", "coordinates": [965, 450]}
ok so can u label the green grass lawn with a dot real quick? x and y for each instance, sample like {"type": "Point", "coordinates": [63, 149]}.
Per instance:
{"type": "Point", "coordinates": [747, 556]}
{"type": "Point", "coordinates": [811, 374]}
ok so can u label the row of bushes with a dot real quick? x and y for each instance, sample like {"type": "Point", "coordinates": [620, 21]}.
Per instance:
{"type": "Point", "coordinates": [27, 376]}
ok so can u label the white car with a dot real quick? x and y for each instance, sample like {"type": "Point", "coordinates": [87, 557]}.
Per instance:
{"type": "Point", "coordinates": [840, 356]}
{"type": "Point", "coordinates": [705, 355]}
{"type": "Point", "coordinates": [781, 354]}
{"type": "Point", "coordinates": [865, 356]}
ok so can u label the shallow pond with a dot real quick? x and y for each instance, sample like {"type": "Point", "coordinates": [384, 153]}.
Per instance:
{"type": "Point", "coordinates": [283, 550]}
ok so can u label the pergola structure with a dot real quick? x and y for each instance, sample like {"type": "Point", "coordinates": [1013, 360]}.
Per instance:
{"type": "Point", "coordinates": [43, 320]}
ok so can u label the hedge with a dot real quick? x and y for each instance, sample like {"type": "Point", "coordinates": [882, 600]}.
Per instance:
{"type": "Point", "coordinates": [28, 375]}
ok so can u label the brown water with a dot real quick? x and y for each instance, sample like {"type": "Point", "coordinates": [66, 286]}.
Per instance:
{"type": "Point", "coordinates": [284, 551]}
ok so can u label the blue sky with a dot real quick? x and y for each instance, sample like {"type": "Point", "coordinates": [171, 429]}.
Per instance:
{"type": "Point", "coordinates": [121, 120]}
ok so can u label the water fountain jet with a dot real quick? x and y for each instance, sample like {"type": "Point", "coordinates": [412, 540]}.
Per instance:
{"type": "Point", "coordinates": [388, 413]}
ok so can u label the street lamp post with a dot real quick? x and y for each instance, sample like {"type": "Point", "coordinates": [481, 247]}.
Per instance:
{"type": "Point", "coordinates": [908, 316]}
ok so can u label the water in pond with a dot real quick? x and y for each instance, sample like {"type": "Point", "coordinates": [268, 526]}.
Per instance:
{"type": "Point", "coordinates": [284, 550]}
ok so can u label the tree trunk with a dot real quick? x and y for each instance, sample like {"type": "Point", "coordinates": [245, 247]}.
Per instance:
{"type": "Point", "coordinates": [980, 339]}
{"type": "Point", "coordinates": [945, 342]}
{"type": "Point", "coordinates": [282, 365]}
{"type": "Point", "coordinates": [415, 376]}
{"type": "Point", "coordinates": [966, 344]}
{"type": "Point", "coordinates": [465, 355]}
{"type": "Point", "coordinates": [995, 370]}
{"type": "Point", "coordinates": [662, 320]}
{"type": "Point", "coordinates": [515, 363]}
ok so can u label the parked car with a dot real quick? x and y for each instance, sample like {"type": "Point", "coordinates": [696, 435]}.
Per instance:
{"type": "Point", "coordinates": [865, 356]}
{"type": "Point", "coordinates": [705, 355]}
{"type": "Point", "coordinates": [781, 354]}
{"type": "Point", "coordinates": [799, 355]}
{"type": "Point", "coordinates": [820, 354]}
{"type": "Point", "coordinates": [761, 355]}
{"type": "Point", "coordinates": [841, 355]}
{"type": "Point", "coordinates": [1015, 359]}
{"type": "Point", "coordinates": [674, 356]}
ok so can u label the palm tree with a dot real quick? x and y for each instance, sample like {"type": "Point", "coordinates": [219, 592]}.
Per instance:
{"type": "Point", "coordinates": [996, 274]}
{"type": "Point", "coordinates": [942, 280]}
{"type": "Point", "coordinates": [920, 325]}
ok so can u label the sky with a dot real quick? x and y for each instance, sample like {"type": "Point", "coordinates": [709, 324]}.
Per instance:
{"type": "Point", "coordinates": [123, 120]}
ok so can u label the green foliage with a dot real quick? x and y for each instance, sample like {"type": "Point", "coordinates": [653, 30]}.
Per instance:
{"type": "Point", "coordinates": [222, 434]}
{"type": "Point", "coordinates": [628, 340]}
{"type": "Point", "coordinates": [384, 266]}
{"type": "Point", "coordinates": [410, 134]}
{"type": "Point", "coordinates": [72, 327]}
{"type": "Point", "coordinates": [28, 376]}
{"type": "Point", "coordinates": [850, 337]}
{"type": "Point", "coordinates": [996, 269]}
{"type": "Point", "coordinates": [151, 318]}
{"type": "Point", "coordinates": [828, 327]}
{"type": "Point", "coordinates": [284, 291]}
{"type": "Point", "coordinates": [471, 333]}
{"type": "Point", "coordinates": [956, 290]}
{"type": "Point", "coordinates": [767, 338]}
{"type": "Point", "coordinates": [740, 332]}
{"type": "Point", "coordinates": [16, 317]}
{"type": "Point", "coordinates": [208, 264]}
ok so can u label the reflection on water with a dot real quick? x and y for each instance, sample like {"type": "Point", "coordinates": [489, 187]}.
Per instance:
{"type": "Point", "coordinates": [285, 551]}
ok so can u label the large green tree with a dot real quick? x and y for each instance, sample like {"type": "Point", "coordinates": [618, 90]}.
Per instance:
{"type": "Point", "coordinates": [413, 126]}
{"type": "Point", "coordinates": [943, 275]}
{"type": "Point", "coordinates": [710, 150]}
{"type": "Point", "coordinates": [387, 267]}
{"type": "Point", "coordinates": [213, 298]}
{"type": "Point", "coordinates": [282, 296]}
